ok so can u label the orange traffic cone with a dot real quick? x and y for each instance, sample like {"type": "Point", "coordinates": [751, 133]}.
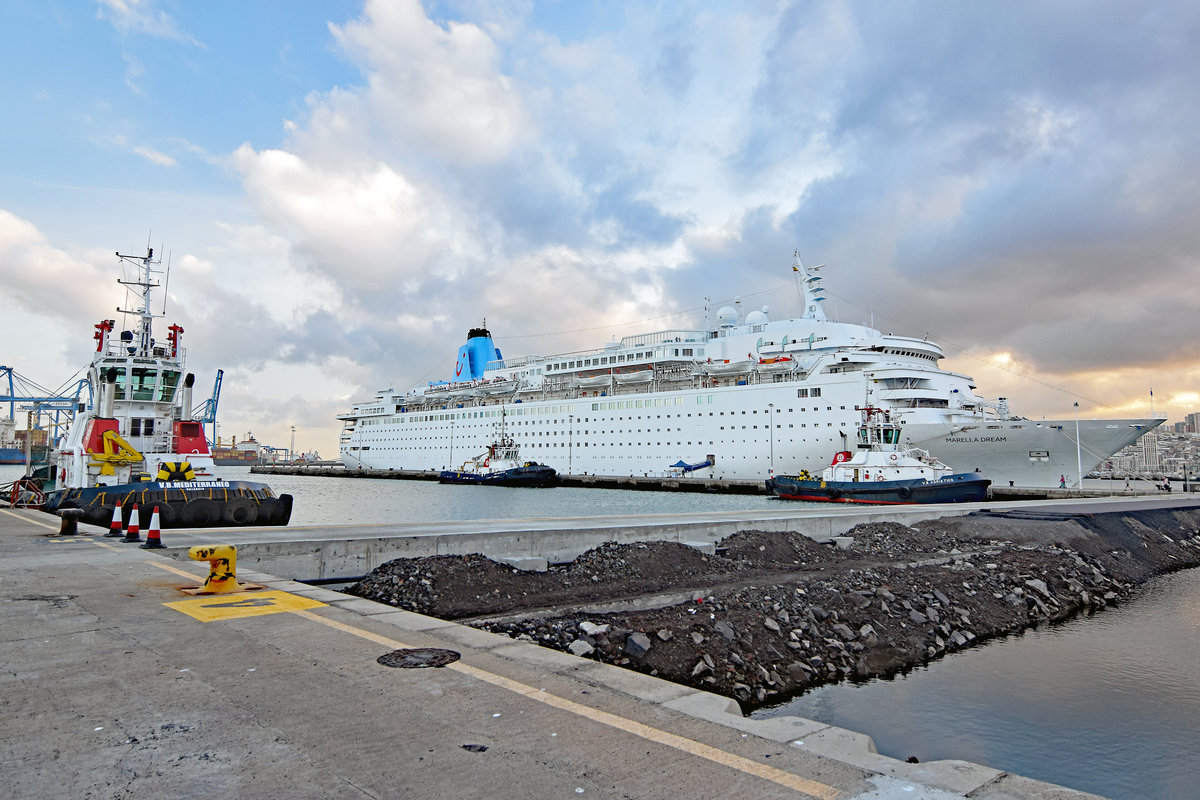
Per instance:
{"type": "Point", "coordinates": [115, 528]}
{"type": "Point", "coordinates": [153, 537]}
{"type": "Point", "coordinates": [131, 533]}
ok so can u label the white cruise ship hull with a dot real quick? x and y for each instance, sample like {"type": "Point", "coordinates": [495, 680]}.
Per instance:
{"type": "Point", "coordinates": [753, 432]}
{"type": "Point", "coordinates": [756, 397]}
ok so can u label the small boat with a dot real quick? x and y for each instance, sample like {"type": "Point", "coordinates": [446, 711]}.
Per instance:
{"type": "Point", "coordinates": [726, 367]}
{"type": "Point", "coordinates": [137, 442]}
{"type": "Point", "coordinates": [499, 386]}
{"type": "Point", "coordinates": [590, 381]}
{"type": "Point", "coordinates": [881, 473]}
{"type": "Point", "coordinates": [501, 465]}
{"type": "Point", "coordinates": [637, 376]}
{"type": "Point", "coordinates": [776, 364]}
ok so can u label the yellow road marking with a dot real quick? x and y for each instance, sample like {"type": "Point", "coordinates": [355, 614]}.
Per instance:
{"type": "Point", "coordinates": [698, 749]}
{"type": "Point", "coordinates": [235, 605]}
{"type": "Point", "coordinates": [176, 570]}
{"type": "Point", "coordinates": [30, 520]}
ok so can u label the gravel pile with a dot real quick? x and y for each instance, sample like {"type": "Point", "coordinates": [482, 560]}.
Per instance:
{"type": "Point", "coordinates": [773, 614]}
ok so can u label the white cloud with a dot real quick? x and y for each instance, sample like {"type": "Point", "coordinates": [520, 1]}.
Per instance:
{"type": "Point", "coordinates": [141, 16]}
{"type": "Point", "coordinates": [154, 156]}
{"type": "Point", "coordinates": [439, 86]}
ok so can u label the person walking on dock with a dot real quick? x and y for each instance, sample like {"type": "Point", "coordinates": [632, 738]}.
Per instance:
{"type": "Point", "coordinates": [1062, 481]}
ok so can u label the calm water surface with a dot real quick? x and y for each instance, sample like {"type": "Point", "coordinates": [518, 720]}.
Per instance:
{"type": "Point", "coordinates": [1108, 704]}
{"type": "Point", "coordinates": [369, 500]}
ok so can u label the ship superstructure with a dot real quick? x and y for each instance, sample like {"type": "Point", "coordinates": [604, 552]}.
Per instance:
{"type": "Point", "coordinates": [753, 396]}
{"type": "Point", "coordinates": [137, 441]}
{"type": "Point", "coordinates": [141, 417]}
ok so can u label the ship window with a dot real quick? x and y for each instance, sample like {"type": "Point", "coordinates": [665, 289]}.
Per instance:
{"type": "Point", "coordinates": [170, 379]}
{"type": "Point", "coordinates": [119, 386]}
{"type": "Point", "coordinates": [141, 384]}
{"type": "Point", "coordinates": [147, 427]}
{"type": "Point", "coordinates": [135, 427]}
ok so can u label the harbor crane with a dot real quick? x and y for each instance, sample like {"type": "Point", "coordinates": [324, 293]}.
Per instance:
{"type": "Point", "coordinates": [60, 405]}
{"type": "Point", "coordinates": [206, 412]}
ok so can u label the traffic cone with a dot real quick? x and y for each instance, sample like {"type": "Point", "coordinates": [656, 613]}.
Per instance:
{"type": "Point", "coordinates": [115, 528]}
{"type": "Point", "coordinates": [153, 535]}
{"type": "Point", "coordinates": [131, 533]}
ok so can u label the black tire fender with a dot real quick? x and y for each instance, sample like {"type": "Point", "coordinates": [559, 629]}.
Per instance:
{"type": "Point", "coordinates": [239, 511]}
{"type": "Point", "coordinates": [904, 492]}
{"type": "Point", "coordinates": [201, 512]}
{"type": "Point", "coordinates": [168, 517]}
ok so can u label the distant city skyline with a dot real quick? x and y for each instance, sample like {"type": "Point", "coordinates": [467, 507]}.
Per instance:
{"type": "Point", "coordinates": [343, 188]}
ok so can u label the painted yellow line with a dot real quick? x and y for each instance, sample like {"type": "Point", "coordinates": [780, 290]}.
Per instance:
{"type": "Point", "coordinates": [30, 520]}
{"type": "Point", "coordinates": [698, 749]}
{"type": "Point", "coordinates": [238, 605]}
{"type": "Point", "coordinates": [177, 571]}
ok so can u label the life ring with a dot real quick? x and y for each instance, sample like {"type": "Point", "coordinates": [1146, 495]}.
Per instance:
{"type": "Point", "coordinates": [176, 471]}
{"type": "Point", "coordinates": [878, 477]}
{"type": "Point", "coordinates": [893, 457]}
{"type": "Point", "coordinates": [239, 511]}
{"type": "Point", "coordinates": [904, 492]}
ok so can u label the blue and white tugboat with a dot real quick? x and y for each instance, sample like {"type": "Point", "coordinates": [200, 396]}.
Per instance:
{"type": "Point", "coordinates": [501, 465]}
{"type": "Point", "coordinates": [881, 473]}
{"type": "Point", "coordinates": [136, 442]}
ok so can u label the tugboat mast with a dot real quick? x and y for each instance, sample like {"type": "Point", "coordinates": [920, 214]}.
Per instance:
{"type": "Point", "coordinates": [143, 265]}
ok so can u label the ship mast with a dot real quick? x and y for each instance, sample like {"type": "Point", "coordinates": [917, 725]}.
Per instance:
{"type": "Point", "coordinates": [145, 283]}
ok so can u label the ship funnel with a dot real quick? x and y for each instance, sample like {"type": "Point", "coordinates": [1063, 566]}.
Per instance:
{"type": "Point", "coordinates": [108, 392]}
{"type": "Point", "coordinates": [185, 412]}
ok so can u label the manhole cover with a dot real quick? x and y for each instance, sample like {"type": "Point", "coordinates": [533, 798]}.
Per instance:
{"type": "Point", "coordinates": [418, 657]}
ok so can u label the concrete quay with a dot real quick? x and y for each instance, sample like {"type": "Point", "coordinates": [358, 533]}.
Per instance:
{"type": "Point", "coordinates": [344, 552]}
{"type": "Point", "coordinates": [115, 687]}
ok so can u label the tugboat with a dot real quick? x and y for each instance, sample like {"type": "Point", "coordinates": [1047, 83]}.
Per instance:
{"type": "Point", "coordinates": [138, 444]}
{"type": "Point", "coordinates": [880, 473]}
{"type": "Point", "coordinates": [501, 465]}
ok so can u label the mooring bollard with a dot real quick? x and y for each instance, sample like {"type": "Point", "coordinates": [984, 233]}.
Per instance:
{"type": "Point", "coordinates": [222, 561]}
{"type": "Point", "coordinates": [70, 521]}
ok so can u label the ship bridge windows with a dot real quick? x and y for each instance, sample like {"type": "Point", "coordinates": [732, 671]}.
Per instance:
{"type": "Point", "coordinates": [121, 382]}
{"type": "Point", "coordinates": [170, 380]}
{"type": "Point", "coordinates": [141, 383]}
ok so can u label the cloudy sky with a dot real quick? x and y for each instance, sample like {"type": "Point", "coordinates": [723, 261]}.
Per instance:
{"type": "Point", "coordinates": [344, 188]}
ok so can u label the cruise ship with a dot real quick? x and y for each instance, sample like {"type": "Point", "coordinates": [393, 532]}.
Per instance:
{"type": "Point", "coordinates": [746, 397]}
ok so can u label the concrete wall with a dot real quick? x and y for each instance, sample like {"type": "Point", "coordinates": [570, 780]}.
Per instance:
{"type": "Point", "coordinates": [353, 557]}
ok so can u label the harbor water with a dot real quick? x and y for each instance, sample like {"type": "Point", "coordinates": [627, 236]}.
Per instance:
{"type": "Point", "coordinates": [1106, 704]}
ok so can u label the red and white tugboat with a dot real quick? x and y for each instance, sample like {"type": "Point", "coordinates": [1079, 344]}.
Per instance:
{"type": "Point", "coordinates": [137, 442]}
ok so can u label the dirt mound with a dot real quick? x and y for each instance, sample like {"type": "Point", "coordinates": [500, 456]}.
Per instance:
{"type": "Point", "coordinates": [775, 613]}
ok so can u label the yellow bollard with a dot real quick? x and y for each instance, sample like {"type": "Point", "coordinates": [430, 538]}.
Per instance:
{"type": "Point", "coordinates": [222, 561]}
